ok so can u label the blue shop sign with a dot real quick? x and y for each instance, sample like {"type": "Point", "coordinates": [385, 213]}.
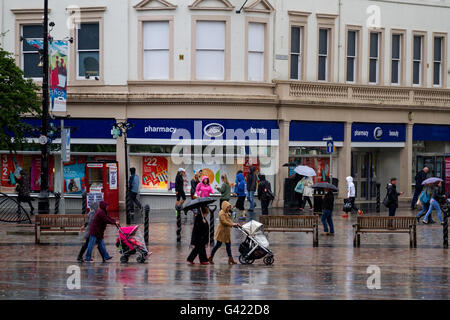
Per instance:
{"type": "Point", "coordinates": [373, 132]}
{"type": "Point", "coordinates": [316, 131]}
{"type": "Point", "coordinates": [83, 128]}
{"type": "Point", "coordinates": [431, 132]}
{"type": "Point", "coordinates": [199, 129]}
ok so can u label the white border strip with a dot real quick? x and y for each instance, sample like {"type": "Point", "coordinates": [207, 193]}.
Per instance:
{"type": "Point", "coordinates": [138, 141]}
{"type": "Point", "coordinates": [378, 144]}
{"type": "Point", "coordinates": [78, 141]}
{"type": "Point", "coordinates": [314, 143]}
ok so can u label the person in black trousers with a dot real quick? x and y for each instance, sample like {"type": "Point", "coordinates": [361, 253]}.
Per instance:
{"type": "Point", "coordinates": [265, 194]}
{"type": "Point", "coordinates": [392, 195]}
{"type": "Point", "coordinates": [420, 177]}
{"type": "Point", "coordinates": [327, 212]}
{"type": "Point", "coordinates": [200, 237]}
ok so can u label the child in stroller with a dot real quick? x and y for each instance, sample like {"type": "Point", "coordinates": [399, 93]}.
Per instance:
{"type": "Point", "coordinates": [255, 245]}
{"type": "Point", "coordinates": [131, 241]}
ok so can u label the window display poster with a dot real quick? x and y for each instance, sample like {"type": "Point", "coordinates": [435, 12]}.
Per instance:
{"type": "Point", "coordinates": [321, 166]}
{"type": "Point", "coordinates": [447, 174]}
{"type": "Point", "coordinates": [155, 173]}
{"type": "Point", "coordinates": [74, 176]}
{"type": "Point", "coordinates": [248, 164]}
{"type": "Point", "coordinates": [11, 166]}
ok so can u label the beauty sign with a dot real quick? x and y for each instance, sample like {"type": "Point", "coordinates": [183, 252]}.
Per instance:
{"type": "Point", "coordinates": [154, 173]}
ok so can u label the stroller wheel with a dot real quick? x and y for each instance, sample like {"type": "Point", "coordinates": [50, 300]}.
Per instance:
{"type": "Point", "coordinates": [140, 259]}
{"type": "Point", "coordinates": [268, 260]}
{"type": "Point", "coordinates": [124, 259]}
{"type": "Point", "coordinates": [242, 260]}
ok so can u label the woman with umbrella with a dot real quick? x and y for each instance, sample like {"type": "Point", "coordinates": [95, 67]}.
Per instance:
{"type": "Point", "coordinates": [327, 206]}
{"type": "Point", "coordinates": [303, 187]}
{"type": "Point", "coordinates": [434, 202]}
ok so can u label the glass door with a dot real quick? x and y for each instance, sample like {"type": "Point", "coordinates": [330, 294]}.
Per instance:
{"type": "Point", "coordinates": [362, 172]}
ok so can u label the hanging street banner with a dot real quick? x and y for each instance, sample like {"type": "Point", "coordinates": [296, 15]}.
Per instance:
{"type": "Point", "coordinates": [57, 73]}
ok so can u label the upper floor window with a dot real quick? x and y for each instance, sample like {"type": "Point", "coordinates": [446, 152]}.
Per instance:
{"type": "Point", "coordinates": [30, 55]}
{"type": "Point", "coordinates": [323, 55]}
{"type": "Point", "coordinates": [352, 45]}
{"type": "Point", "coordinates": [156, 49]}
{"type": "Point", "coordinates": [88, 50]}
{"type": "Point", "coordinates": [210, 50]}
{"type": "Point", "coordinates": [396, 63]}
{"type": "Point", "coordinates": [417, 59]}
{"type": "Point", "coordinates": [374, 58]}
{"type": "Point", "coordinates": [296, 52]}
{"type": "Point", "coordinates": [256, 44]}
{"type": "Point", "coordinates": [437, 61]}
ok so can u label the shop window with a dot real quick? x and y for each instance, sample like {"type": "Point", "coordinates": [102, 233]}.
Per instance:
{"type": "Point", "coordinates": [210, 50]}
{"type": "Point", "coordinates": [30, 55]}
{"type": "Point", "coordinates": [88, 47]}
{"type": "Point", "coordinates": [156, 49]}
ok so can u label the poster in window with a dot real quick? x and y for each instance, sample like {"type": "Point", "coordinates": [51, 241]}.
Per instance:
{"type": "Point", "coordinates": [74, 176]}
{"type": "Point", "coordinates": [155, 173]}
{"type": "Point", "coordinates": [11, 166]}
{"type": "Point", "coordinates": [447, 174]}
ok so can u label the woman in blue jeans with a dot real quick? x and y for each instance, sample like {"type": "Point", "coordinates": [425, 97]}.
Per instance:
{"type": "Point", "coordinates": [327, 212]}
{"type": "Point", "coordinates": [434, 203]}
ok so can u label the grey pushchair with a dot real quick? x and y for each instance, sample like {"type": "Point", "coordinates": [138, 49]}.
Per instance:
{"type": "Point", "coordinates": [255, 245]}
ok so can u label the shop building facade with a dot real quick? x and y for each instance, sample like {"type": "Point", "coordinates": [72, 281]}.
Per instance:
{"type": "Point", "coordinates": [301, 70]}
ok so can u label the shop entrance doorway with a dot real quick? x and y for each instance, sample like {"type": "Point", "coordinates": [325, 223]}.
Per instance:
{"type": "Point", "coordinates": [436, 164]}
{"type": "Point", "coordinates": [364, 166]}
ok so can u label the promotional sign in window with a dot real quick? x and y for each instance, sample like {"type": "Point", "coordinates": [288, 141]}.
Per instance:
{"type": "Point", "coordinates": [74, 176]}
{"type": "Point", "coordinates": [93, 197]}
{"type": "Point", "coordinates": [11, 166]}
{"type": "Point", "coordinates": [154, 173]}
{"type": "Point", "coordinates": [112, 168]}
{"type": "Point", "coordinates": [447, 174]}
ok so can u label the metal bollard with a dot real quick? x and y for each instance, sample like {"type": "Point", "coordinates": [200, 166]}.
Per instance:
{"type": "Point", "coordinates": [146, 222]}
{"type": "Point", "coordinates": [378, 197]}
{"type": "Point", "coordinates": [178, 225]}
{"type": "Point", "coordinates": [445, 230]}
{"type": "Point", "coordinates": [83, 202]}
{"type": "Point", "coordinates": [128, 205]}
{"type": "Point", "coordinates": [211, 227]}
{"type": "Point", "coordinates": [57, 199]}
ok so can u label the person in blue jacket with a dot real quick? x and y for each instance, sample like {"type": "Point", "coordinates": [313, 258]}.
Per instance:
{"type": "Point", "coordinates": [239, 191]}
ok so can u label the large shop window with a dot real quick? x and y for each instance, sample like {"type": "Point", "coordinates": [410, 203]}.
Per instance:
{"type": "Point", "coordinates": [156, 50]}
{"type": "Point", "coordinates": [30, 55]}
{"type": "Point", "coordinates": [210, 50]}
{"type": "Point", "coordinates": [314, 157]}
{"type": "Point", "coordinates": [296, 52]}
{"type": "Point", "coordinates": [256, 35]}
{"type": "Point", "coordinates": [88, 50]}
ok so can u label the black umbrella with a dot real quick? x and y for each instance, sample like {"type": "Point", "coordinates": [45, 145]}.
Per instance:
{"type": "Point", "coordinates": [198, 203]}
{"type": "Point", "coordinates": [290, 164]}
{"type": "Point", "coordinates": [324, 185]}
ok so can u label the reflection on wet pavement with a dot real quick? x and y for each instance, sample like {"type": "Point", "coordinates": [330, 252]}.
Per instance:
{"type": "Point", "coordinates": [334, 270]}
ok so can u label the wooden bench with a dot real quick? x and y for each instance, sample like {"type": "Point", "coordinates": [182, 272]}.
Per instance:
{"type": "Point", "coordinates": [368, 224]}
{"type": "Point", "coordinates": [51, 223]}
{"type": "Point", "coordinates": [292, 224]}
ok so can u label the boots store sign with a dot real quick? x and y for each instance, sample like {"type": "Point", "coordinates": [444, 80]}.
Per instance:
{"type": "Point", "coordinates": [201, 129]}
{"type": "Point", "coordinates": [373, 132]}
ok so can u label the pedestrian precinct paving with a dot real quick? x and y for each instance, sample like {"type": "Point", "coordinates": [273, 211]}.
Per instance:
{"type": "Point", "coordinates": [334, 270]}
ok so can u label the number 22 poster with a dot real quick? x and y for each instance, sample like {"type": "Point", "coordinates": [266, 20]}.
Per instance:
{"type": "Point", "coordinates": [154, 173]}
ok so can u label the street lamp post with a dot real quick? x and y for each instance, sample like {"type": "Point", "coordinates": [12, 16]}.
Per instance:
{"type": "Point", "coordinates": [43, 204]}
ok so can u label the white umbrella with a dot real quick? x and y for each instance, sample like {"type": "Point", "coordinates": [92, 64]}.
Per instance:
{"type": "Point", "coordinates": [305, 171]}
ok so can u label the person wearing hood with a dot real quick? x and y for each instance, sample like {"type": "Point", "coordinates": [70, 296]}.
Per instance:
{"type": "Point", "coordinates": [204, 189]}
{"type": "Point", "coordinates": [85, 230]}
{"type": "Point", "coordinates": [194, 183]}
{"type": "Point", "coordinates": [223, 232]}
{"type": "Point", "coordinates": [308, 193]}
{"type": "Point", "coordinates": [265, 194]}
{"type": "Point", "coordinates": [225, 189]}
{"type": "Point", "coordinates": [239, 191]}
{"type": "Point", "coordinates": [179, 188]}
{"type": "Point", "coordinates": [23, 188]}
{"type": "Point", "coordinates": [392, 197]}
{"type": "Point", "coordinates": [251, 189]}
{"type": "Point", "coordinates": [97, 231]}
{"type": "Point", "coordinates": [200, 237]}
{"type": "Point", "coordinates": [351, 195]}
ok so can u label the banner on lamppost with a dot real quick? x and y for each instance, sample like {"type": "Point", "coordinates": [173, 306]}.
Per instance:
{"type": "Point", "coordinates": [65, 145]}
{"type": "Point", "coordinates": [57, 73]}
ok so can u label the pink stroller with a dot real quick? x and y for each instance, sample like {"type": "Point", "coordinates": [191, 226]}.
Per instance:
{"type": "Point", "coordinates": [131, 241]}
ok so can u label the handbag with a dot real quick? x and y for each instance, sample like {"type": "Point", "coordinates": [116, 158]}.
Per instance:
{"type": "Point", "coordinates": [424, 197]}
{"type": "Point", "coordinates": [347, 206]}
{"type": "Point", "coordinates": [386, 201]}
{"type": "Point", "coordinates": [300, 186]}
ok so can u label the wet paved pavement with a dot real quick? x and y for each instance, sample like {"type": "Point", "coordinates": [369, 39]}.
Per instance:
{"type": "Point", "coordinates": [334, 270]}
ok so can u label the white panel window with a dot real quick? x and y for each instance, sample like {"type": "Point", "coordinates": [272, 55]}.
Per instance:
{"type": "Point", "coordinates": [323, 55]}
{"type": "Point", "coordinates": [30, 55]}
{"type": "Point", "coordinates": [417, 60]}
{"type": "Point", "coordinates": [396, 58]}
{"type": "Point", "coordinates": [352, 45]}
{"type": "Point", "coordinates": [374, 57]}
{"type": "Point", "coordinates": [437, 61]}
{"type": "Point", "coordinates": [256, 33]}
{"type": "Point", "coordinates": [156, 50]}
{"type": "Point", "coordinates": [296, 52]}
{"type": "Point", "coordinates": [89, 50]}
{"type": "Point", "coordinates": [210, 50]}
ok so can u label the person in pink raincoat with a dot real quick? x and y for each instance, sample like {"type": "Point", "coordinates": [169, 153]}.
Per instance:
{"type": "Point", "coordinates": [204, 189]}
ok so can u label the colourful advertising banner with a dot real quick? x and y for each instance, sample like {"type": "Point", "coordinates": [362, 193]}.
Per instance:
{"type": "Point", "coordinates": [74, 176]}
{"type": "Point", "coordinates": [11, 166]}
{"type": "Point", "coordinates": [57, 73]}
{"type": "Point", "coordinates": [447, 174]}
{"type": "Point", "coordinates": [155, 173]}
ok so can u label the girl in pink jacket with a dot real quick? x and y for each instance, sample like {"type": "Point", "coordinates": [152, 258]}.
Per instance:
{"type": "Point", "coordinates": [204, 189]}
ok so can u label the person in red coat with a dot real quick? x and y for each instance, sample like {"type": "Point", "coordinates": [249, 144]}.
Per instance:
{"type": "Point", "coordinates": [97, 231]}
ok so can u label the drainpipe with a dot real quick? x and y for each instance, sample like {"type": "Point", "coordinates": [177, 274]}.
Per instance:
{"type": "Point", "coordinates": [339, 41]}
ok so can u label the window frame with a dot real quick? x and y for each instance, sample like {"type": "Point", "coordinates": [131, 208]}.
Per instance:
{"type": "Point", "coordinates": [299, 19]}
{"type": "Point", "coordinates": [77, 53]}
{"type": "Point", "coordinates": [227, 52]}
{"type": "Point", "coordinates": [380, 58]}
{"type": "Point", "coordinates": [22, 52]}
{"type": "Point", "coordinates": [140, 53]}
{"type": "Point", "coordinates": [402, 56]}
{"type": "Point", "coordinates": [326, 21]}
{"type": "Point", "coordinates": [327, 56]}
{"type": "Point", "coordinates": [423, 66]}
{"type": "Point", "coordinates": [358, 53]}
{"type": "Point", "coordinates": [265, 22]}
{"type": "Point", "coordinates": [443, 73]}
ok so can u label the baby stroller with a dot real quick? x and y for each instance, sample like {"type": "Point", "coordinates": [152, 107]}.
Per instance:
{"type": "Point", "coordinates": [131, 241]}
{"type": "Point", "coordinates": [256, 245]}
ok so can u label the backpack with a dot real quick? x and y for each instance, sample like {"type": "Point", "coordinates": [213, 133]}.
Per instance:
{"type": "Point", "coordinates": [300, 186]}
{"type": "Point", "coordinates": [424, 197]}
{"type": "Point", "coordinates": [267, 194]}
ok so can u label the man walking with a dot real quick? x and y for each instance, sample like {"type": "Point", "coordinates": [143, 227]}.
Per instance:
{"type": "Point", "coordinates": [251, 188]}
{"type": "Point", "coordinates": [134, 189]}
{"type": "Point", "coordinates": [420, 177]}
{"type": "Point", "coordinates": [392, 195]}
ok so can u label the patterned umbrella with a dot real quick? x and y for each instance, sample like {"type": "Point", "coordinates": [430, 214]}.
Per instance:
{"type": "Point", "coordinates": [431, 180]}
